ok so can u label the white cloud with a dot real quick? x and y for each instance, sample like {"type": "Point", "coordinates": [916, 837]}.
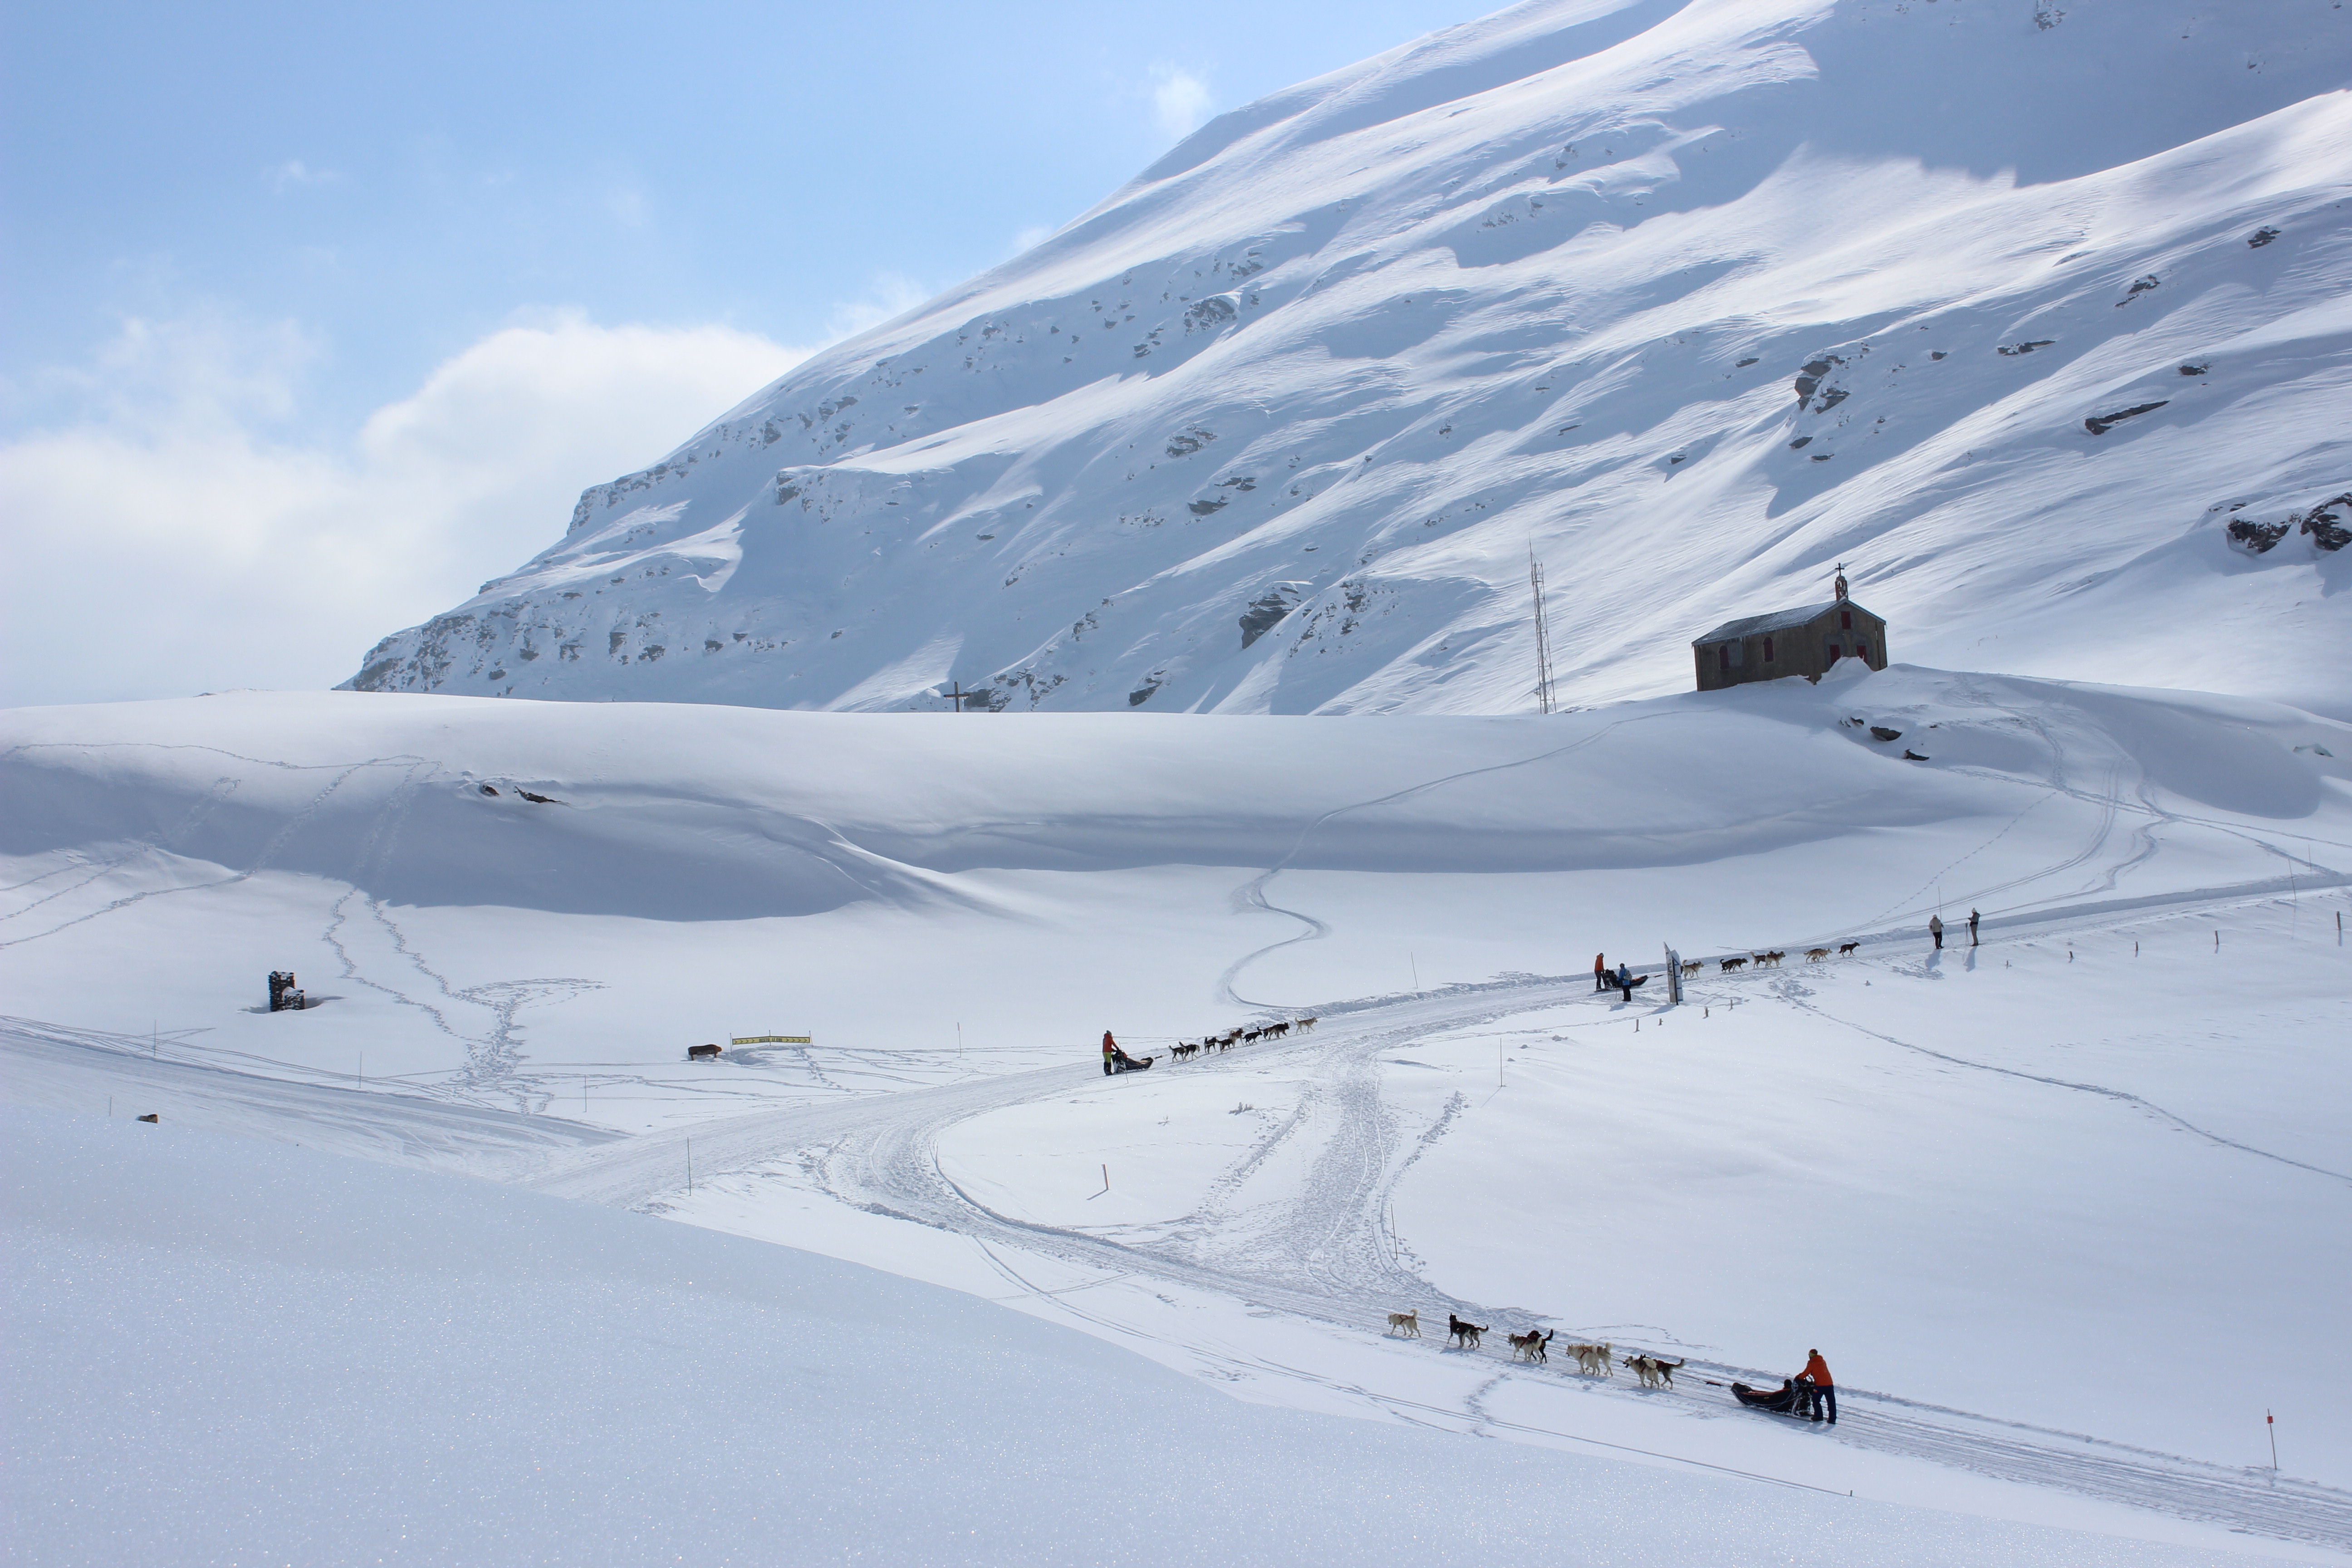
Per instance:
{"type": "Point", "coordinates": [163, 544]}
{"type": "Point", "coordinates": [294, 172]}
{"type": "Point", "coordinates": [1181, 103]}
{"type": "Point", "coordinates": [887, 295]}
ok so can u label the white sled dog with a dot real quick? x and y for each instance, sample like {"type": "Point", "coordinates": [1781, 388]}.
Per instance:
{"type": "Point", "coordinates": [1592, 1359]}
{"type": "Point", "coordinates": [1406, 1324]}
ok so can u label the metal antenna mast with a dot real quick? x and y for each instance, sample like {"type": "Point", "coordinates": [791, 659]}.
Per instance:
{"type": "Point", "coordinates": [1543, 633]}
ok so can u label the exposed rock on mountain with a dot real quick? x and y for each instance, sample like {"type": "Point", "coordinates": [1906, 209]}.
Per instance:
{"type": "Point", "coordinates": [1548, 278]}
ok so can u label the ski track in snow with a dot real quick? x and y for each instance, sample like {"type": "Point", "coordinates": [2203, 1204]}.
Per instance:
{"type": "Point", "coordinates": [1795, 996]}
{"type": "Point", "coordinates": [1252, 894]}
{"type": "Point", "coordinates": [260, 1096]}
{"type": "Point", "coordinates": [1329, 1257]}
{"type": "Point", "coordinates": [222, 788]}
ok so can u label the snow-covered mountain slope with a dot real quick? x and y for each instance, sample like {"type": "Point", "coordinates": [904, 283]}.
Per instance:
{"type": "Point", "coordinates": [2001, 1186]}
{"type": "Point", "coordinates": [2034, 314]}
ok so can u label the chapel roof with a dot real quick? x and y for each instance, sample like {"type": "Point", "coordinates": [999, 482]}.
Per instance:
{"type": "Point", "coordinates": [1776, 621]}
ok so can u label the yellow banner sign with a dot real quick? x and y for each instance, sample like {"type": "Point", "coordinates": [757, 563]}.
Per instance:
{"type": "Point", "coordinates": [774, 1039]}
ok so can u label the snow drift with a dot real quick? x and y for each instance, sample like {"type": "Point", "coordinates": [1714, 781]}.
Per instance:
{"type": "Point", "coordinates": [2033, 314]}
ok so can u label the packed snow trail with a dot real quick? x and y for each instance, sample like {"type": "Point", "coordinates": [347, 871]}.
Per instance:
{"type": "Point", "coordinates": [1330, 1256]}
{"type": "Point", "coordinates": [66, 1069]}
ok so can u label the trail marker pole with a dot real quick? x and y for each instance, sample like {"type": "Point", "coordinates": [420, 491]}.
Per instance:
{"type": "Point", "coordinates": [1409, 958]}
{"type": "Point", "coordinates": [958, 1042]}
{"type": "Point", "coordinates": [362, 1070]}
{"type": "Point", "coordinates": [1543, 633]}
{"type": "Point", "coordinates": [690, 1164]}
{"type": "Point", "coordinates": [2270, 1425]}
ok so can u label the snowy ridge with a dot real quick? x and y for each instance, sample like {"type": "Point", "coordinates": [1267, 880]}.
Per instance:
{"type": "Point", "coordinates": [2033, 315]}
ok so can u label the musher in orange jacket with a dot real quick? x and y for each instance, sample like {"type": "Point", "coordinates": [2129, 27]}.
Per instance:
{"type": "Point", "coordinates": [1824, 1399]}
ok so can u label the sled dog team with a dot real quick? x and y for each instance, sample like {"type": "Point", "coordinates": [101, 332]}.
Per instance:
{"type": "Point", "coordinates": [1535, 1345]}
{"type": "Point", "coordinates": [1771, 960]}
{"type": "Point", "coordinates": [1183, 1049]}
{"type": "Point", "coordinates": [1768, 960]}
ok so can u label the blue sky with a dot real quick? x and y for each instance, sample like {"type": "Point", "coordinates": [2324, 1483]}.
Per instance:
{"type": "Point", "coordinates": [400, 181]}
{"type": "Point", "coordinates": [319, 315]}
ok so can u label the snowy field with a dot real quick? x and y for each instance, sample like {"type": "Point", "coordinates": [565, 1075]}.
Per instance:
{"type": "Point", "coordinates": [231, 1352]}
{"type": "Point", "coordinates": [2066, 1212]}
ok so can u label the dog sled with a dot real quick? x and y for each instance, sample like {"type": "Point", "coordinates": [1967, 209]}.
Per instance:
{"type": "Point", "coordinates": [1121, 1062]}
{"type": "Point", "coordinates": [1791, 1398]}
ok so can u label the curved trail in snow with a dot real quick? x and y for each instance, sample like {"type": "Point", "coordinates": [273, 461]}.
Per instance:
{"type": "Point", "coordinates": [1252, 894]}
{"type": "Point", "coordinates": [2121, 1096]}
{"type": "Point", "coordinates": [1329, 1257]}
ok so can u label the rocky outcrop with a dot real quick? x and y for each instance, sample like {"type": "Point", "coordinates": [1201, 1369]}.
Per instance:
{"type": "Point", "coordinates": [2325, 523]}
{"type": "Point", "coordinates": [2099, 423]}
{"type": "Point", "coordinates": [1266, 611]}
{"type": "Point", "coordinates": [2255, 538]}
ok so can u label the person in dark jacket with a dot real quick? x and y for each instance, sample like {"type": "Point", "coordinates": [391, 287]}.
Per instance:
{"type": "Point", "coordinates": [1823, 1398]}
{"type": "Point", "coordinates": [1972, 928]}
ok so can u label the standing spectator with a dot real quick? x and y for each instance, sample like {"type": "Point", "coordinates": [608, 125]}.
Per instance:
{"type": "Point", "coordinates": [1600, 972]}
{"type": "Point", "coordinates": [1625, 982]}
{"type": "Point", "coordinates": [1936, 929]}
{"type": "Point", "coordinates": [1824, 1398]}
{"type": "Point", "coordinates": [1972, 928]}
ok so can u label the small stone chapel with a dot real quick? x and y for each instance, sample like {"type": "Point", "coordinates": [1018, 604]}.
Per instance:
{"type": "Point", "coordinates": [1804, 641]}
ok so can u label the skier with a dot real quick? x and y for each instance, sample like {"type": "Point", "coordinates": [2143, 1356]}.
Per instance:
{"type": "Point", "coordinates": [1936, 929]}
{"type": "Point", "coordinates": [1600, 972]}
{"type": "Point", "coordinates": [1825, 1392]}
{"type": "Point", "coordinates": [1972, 928]}
{"type": "Point", "coordinates": [1625, 982]}
{"type": "Point", "coordinates": [1111, 1052]}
